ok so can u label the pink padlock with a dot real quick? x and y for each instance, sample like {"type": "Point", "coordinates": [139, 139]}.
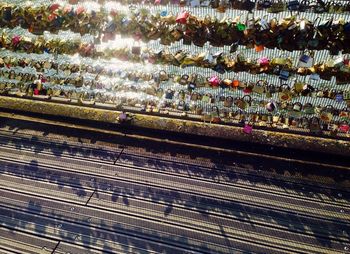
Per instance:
{"type": "Point", "coordinates": [263, 61]}
{"type": "Point", "coordinates": [67, 8]}
{"type": "Point", "coordinates": [157, 1]}
{"type": "Point", "coordinates": [80, 10]}
{"type": "Point", "coordinates": [248, 129]}
{"type": "Point", "coordinates": [42, 78]}
{"type": "Point", "coordinates": [16, 39]}
{"type": "Point", "coordinates": [214, 81]}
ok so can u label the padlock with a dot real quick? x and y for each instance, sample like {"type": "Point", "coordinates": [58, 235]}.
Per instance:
{"type": "Point", "coordinates": [326, 114]}
{"type": "Point", "coordinates": [169, 94]}
{"type": "Point", "coordinates": [228, 101]}
{"type": "Point", "coordinates": [192, 78]}
{"type": "Point", "coordinates": [293, 5]}
{"type": "Point", "coordinates": [205, 3]}
{"type": "Point", "coordinates": [297, 106]}
{"type": "Point", "coordinates": [250, 21]}
{"type": "Point", "coordinates": [7, 14]}
{"type": "Point", "coordinates": [191, 86]}
{"type": "Point", "coordinates": [215, 115]}
{"type": "Point", "coordinates": [226, 83]}
{"type": "Point", "coordinates": [182, 17]}
{"type": "Point", "coordinates": [259, 87]}
{"type": "Point", "coordinates": [214, 81]}
{"type": "Point", "coordinates": [263, 61]}
{"type": "Point", "coordinates": [243, 102]}
{"type": "Point", "coordinates": [163, 76]}
{"type": "Point", "coordinates": [184, 79]}
{"type": "Point", "coordinates": [180, 55]}
{"type": "Point", "coordinates": [284, 75]}
{"type": "Point", "coordinates": [181, 105]}
{"type": "Point", "coordinates": [339, 97]}
{"type": "Point", "coordinates": [194, 3]}
{"type": "Point", "coordinates": [235, 82]}
{"type": "Point", "coordinates": [222, 6]}
{"type": "Point", "coordinates": [344, 127]}
{"type": "Point", "coordinates": [271, 106]}
{"type": "Point", "coordinates": [264, 24]}
{"type": "Point", "coordinates": [308, 109]}
{"type": "Point", "coordinates": [159, 92]}
{"type": "Point", "coordinates": [346, 95]}
{"type": "Point", "coordinates": [207, 98]}
{"type": "Point", "coordinates": [181, 94]}
{"type": "Point", "coordinates": [259, 48]}
{"type": "Point", "coordinates": [306, 60]}
{"type": "Point", "coordinates": [338, 62]}
{"type": "Point", "coordinates": [209, 58]}
{"type": "Point", "coordinates": [285, 93]}
{"type": "Point", "coordinates": [248, 128]}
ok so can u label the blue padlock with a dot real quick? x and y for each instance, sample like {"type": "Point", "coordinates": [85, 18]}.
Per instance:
{"type": "Point", "coordinates": [7, 14]}
{"type": "Point", "coordinates": [58, 21]}
{"type": "Point", "coordinates": [219, 68]}
{"type": "Point", "coordinates": [111, 27]}
{"type": "Point", "coordinates": [284, 75]}
{"type": "Point", "coordinates": [347, 28]}
{"type": "Point", "coordinates": [71, 13]}
{"type": "Point", "coordinates": [315, 76]}
{"type": "Point", "coordinates": [305, 58]}
{"type": "Point", "coordinates": [163, 13]}
{"type": "Point", "coordinates": [339, 97]}
{"type": "Point", "coordinates": [125, 21]}
{"type": "Point", "coordinates": [169, 94]}
{"type": "Point", "coordinates": [293, 5]}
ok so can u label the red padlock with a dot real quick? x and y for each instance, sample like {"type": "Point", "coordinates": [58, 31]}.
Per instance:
{"type": "Point", "coordinates": [344, 128]}
{"type": "Point", "coordinates": [52, 17]}
{"type": "Point", "coordinates": [182, 17]}
{"type": "Point", "coordinates": [54, 7]}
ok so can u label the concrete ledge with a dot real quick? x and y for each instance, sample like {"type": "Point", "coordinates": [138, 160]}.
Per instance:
{"type": "Point", "coordinates": [298, 141]}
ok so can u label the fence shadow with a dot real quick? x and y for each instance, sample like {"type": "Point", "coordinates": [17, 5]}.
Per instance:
{"type": "Point", "coordinates": [216, 167]}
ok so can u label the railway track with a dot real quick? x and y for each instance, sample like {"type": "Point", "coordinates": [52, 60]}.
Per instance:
{"type": "Point", "coordinates": [75, 198]}
{"type": "Point", "coordinates": [107, 157]}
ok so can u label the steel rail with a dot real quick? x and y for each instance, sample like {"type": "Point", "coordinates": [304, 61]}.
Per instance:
{"type": "Point", "coordinates": [196, 229]}
{"type": "Point", "coordinates": [189, 216]}
{"type": "Point", "coordinates": [244, 196]}
{"type": "Point", "coordinates": [101, 161]}
{"type": "Point", "coordinates": [170, 242]}
{"type": "Point", "coordinates": [162, 188]}
{"type": "Point", "coordinates": [340, 204]}
{"type": "Point", "coordinates": [188, 209]}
